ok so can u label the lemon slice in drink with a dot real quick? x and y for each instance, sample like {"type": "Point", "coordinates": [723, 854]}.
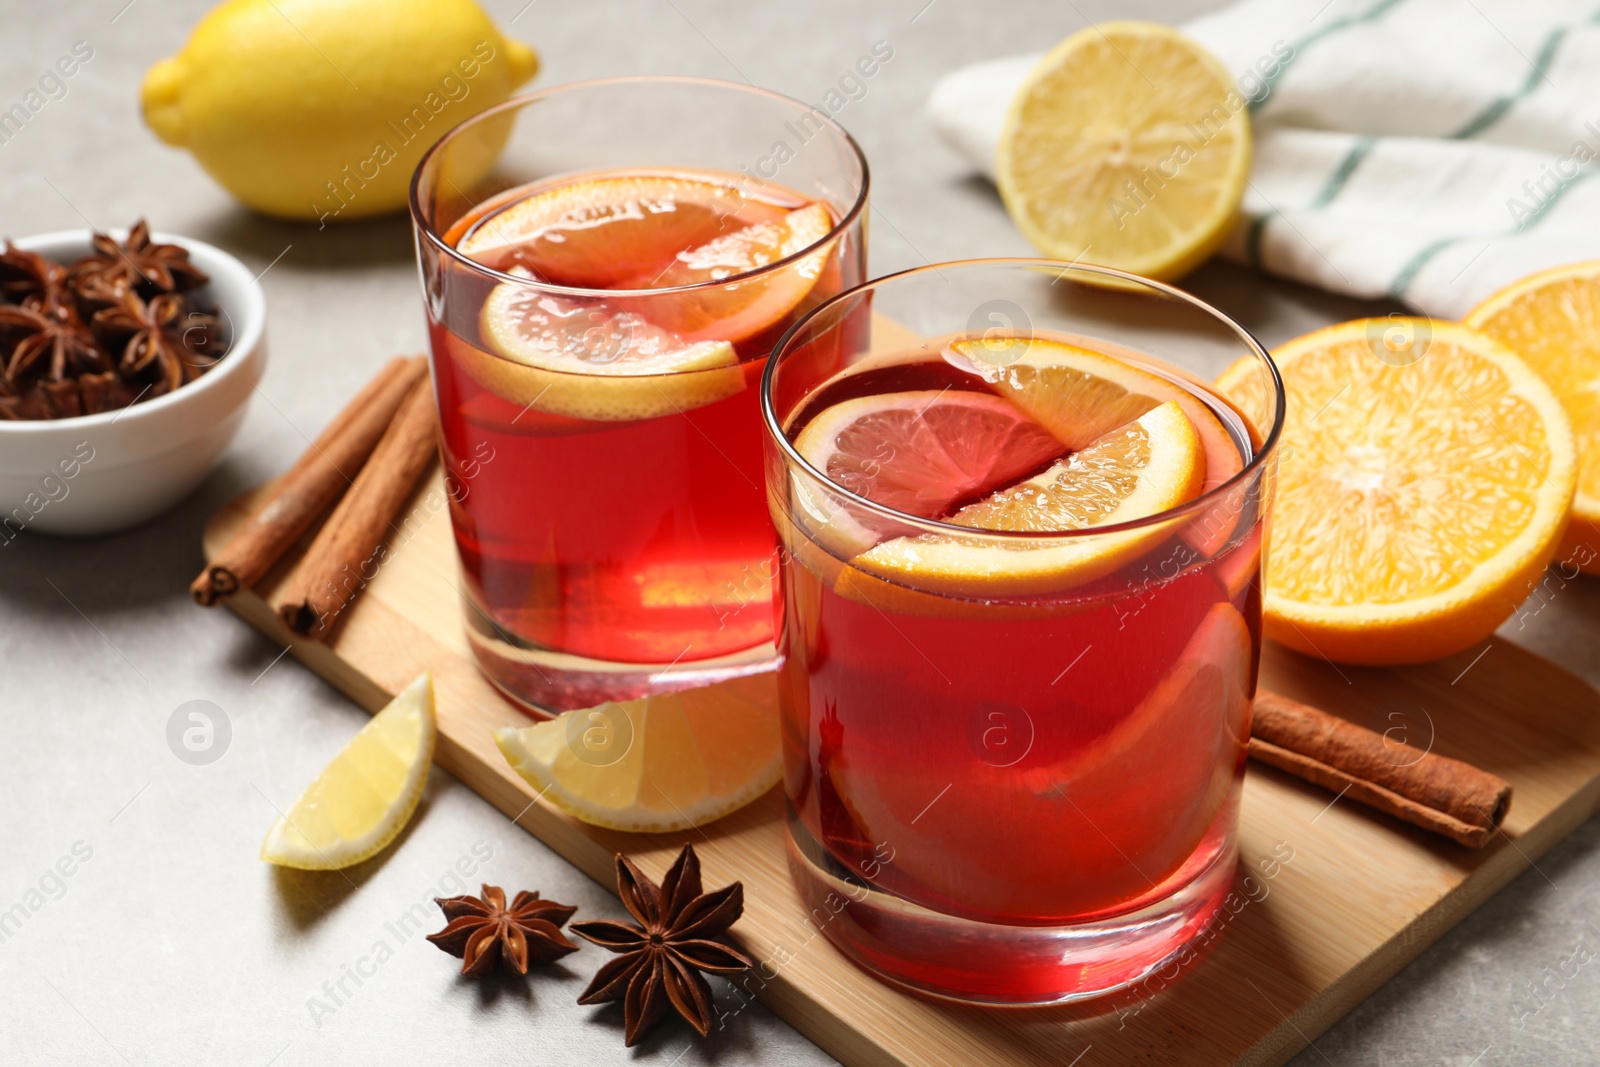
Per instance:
{"type": "Point", "coordinates": [363, 799]}
{"type": "Point", "coordinates": [1127, 146]}
{"type": "Point", "coordinates": [1151, 465]}
{"type": "Point", "coordinates": [656, 764]}
{"type": "Point", "coordinates": [1425, 480]}
{"type": "Point", "coordinates": [1080, 394]}
{"type": "Point", "coordinates": [1552, 320]}
{"type": "Point", "coordinates": [587, 359]}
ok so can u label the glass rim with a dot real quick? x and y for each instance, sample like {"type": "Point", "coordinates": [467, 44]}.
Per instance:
{"type": "Point", "coordinates": [426, 228]}
{"type": "Point", "coordinates": [1200, 503]}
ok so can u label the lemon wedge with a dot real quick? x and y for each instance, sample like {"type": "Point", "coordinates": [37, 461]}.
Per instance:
{"type": "Point", "coordinates": [363, 799]}
{"type": "Point", "coordinates": [659, 763]}
{"type": "Point", "coordinates": [1127, 146]}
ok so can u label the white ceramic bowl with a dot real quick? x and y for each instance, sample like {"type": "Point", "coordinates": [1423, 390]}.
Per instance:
{"type": "Point", "coordinates": [96, 473]}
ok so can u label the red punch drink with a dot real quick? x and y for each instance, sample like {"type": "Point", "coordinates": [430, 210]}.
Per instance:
{"type": "Point", "coordinates": [1027, 733]}
{"type": "Point", "coordinates": [597, 362]}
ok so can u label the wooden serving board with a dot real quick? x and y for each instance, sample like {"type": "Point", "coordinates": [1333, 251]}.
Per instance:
{"type": "Point", "coordinates": [1337, 899]}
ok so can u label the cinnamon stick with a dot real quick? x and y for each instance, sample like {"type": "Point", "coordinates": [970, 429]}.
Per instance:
{"type": "Point", "coordinates": [348, 548]}
{"type": "Point", "coordinates": [1437, 793]}
{"type": "Point", "coordinates": [306, 490]}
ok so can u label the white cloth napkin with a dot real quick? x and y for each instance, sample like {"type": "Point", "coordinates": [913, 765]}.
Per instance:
{"type": "Point", "coordinates": [1430, 151]}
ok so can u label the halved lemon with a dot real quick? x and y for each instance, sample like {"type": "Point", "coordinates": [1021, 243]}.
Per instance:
{"type": "Point", "coordinates": [1152, 464]}
{"type": "Point", "coordinates": [1423, 481]}
{"type": "Point", "coordinates": [363, 799]}
{"type": "Point", "coordinates": [659, 763]}
{"type": "Point", "coordinates": [1552, 320]}
{"type": "Point", "coordinates": [743, 307]}
{"type": "Point", "coordinates": [591, 360]}
{"type": "Point", "coordinates": [1128, 146]}
{"type": "Point", "coordinates": [604, 231]}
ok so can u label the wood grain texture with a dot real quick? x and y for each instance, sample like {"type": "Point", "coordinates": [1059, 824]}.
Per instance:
{"type": "Point", "coordinates": [1331, 899]}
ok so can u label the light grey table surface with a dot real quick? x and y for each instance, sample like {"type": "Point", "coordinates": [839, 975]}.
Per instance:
{"type": "Point", "coordinates": [172, 943]}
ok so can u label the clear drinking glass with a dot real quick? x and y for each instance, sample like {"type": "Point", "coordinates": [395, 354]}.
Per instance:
{"type": "Point", "coordinates": [606, 498]}
{"type": "Point", "coordinates": [1012, 760]}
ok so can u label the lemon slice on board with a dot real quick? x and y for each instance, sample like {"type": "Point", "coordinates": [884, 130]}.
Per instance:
{"type": "Point", "coordinates": [1552, 320]}
{"type": "Point", "coordinates": [363, 799]}
{"type": "Point", "coordinates": [1153, 464]}
{"type": "Point", "coordinates": [1127, 146]}
{"type": "Point", "coordinates": [1424, 478]}
{"type": "Point", "coordinates": [659, 763]}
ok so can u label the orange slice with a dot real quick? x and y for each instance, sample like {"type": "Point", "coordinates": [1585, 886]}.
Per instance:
{"type": "Point", "coordinates": [742, 308]}
{"type": "Point", "coordinates": [601, 232]}
{"type": "Point", "coordinates": [588, 360]}
{"type": "Point", "coordinates": [921, 452]}
{"type": "Point", "coordinates": [1424, 478]}
{"type": "Point", "coordinates": [1146, 467]}
{"type": "Point", "coordinates": [1552, 320]}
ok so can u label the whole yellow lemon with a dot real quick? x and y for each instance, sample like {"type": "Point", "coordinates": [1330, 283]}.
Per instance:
{"type": "Point", "coordinates": [320, 109]}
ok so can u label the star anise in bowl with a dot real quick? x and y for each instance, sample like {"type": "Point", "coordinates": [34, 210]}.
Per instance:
{"type": "Point", "coordinates": [662, 954]}
{"type": "Point", "coordinates": [484, 932]}
{"type": "Point", "coordinates": [122, 324]}
{"type": "Point", "coordinates": [28, 278]}
{"type": "Point", "coordinates": [138, 263]}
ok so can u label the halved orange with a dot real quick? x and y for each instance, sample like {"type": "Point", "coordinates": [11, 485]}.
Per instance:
{"type": "Point", "coordinates": [601, 232]}
{"type": "Point", "coordinates": [1424, 478]}
{"type": "Point", "coordinates": [1151, 465]}
{"type": "Point", "coordinates": [1552, 320]}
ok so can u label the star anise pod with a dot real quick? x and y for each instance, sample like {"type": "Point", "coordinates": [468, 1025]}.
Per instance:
{"type": "Point", "coordinates": [484, 932]}
{"type": "Point", "coordinates": [29, 278]}
{"type": "Point", "coordinates": [662, 957]}
{"type": "Point", "coordinates": [150, 335]}
{"type": "Point", "coordinates": [149, 268]}
{"type": "Point", "coordinates": [50, 342]}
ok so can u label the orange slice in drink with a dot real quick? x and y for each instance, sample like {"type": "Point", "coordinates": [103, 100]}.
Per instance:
{"type": "Point", "coordinates": [921, 452]}
{"type": "Point", "coordinates": [743, 307]}
{"type": "Point", "coordinates": [1151, 465]}
{"type": "Point", "coordinates": [1552, 320]}
{"type": "Point", "coordinates": [599, 233]}
{"type": "Point", "coordinates": [924, 451]}
{"type": "Point", "coordinates": [1424, 479]}
{"type": "Point", "coordinates": [588, 360]}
